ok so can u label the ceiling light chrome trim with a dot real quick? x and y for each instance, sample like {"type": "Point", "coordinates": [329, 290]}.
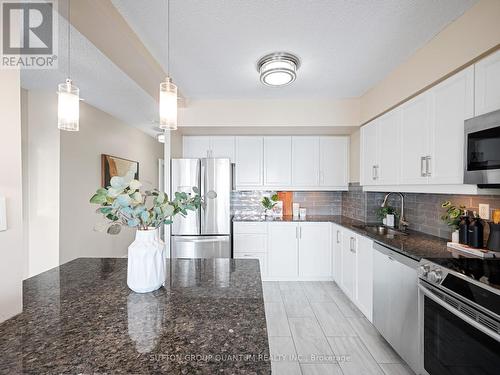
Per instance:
{"type": "Point", "coordinates": [286, 57]}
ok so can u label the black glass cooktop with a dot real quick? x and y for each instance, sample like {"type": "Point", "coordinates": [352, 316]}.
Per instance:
{"type": "Point", "coordinates": [486, 271]}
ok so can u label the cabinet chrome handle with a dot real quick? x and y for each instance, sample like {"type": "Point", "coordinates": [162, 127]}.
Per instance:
{"type": "Point", "coordinates": [338, 235]}
{"type": "Point", "coordinates": [300, 232]}
{"type": "Point", "coordinates": [390, 258]}
{"type": "Point", "coordinates": [374, 176]}
{"type": "Point", "coordinates": [422, 166]}
{"type": "Point", "coordinates": [376, 172]}
{"type": "Point", "coordinates": [353, 245]}
{"type": "Point", "coordinates": [428, 165]}
{"type": "Point", "coordinates": [297, 232]}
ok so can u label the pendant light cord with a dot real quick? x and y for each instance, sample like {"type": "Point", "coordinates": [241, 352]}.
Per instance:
{"type": "Point", "coordinates": [168, 38]}
{"type": "Point", "coordinates": [69, 38]}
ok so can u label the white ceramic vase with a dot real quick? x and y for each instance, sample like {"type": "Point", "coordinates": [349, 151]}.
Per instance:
{"type": "Point", "coordinates": [146, 262]}
{"type": "Point", "coordinates": [455, 236]}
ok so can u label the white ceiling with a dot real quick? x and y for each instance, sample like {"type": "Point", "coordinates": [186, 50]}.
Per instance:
{"type": "Point", "coordinates": [346, 47]}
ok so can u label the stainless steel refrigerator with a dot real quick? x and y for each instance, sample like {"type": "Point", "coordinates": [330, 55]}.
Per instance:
{"type": "Point", "coordinates": [205, 233]}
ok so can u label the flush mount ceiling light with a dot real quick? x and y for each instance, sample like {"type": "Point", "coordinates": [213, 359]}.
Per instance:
{"type": "Point", "coordinates": [278, 69]}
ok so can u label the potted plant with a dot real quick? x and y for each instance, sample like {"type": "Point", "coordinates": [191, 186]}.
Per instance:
{"type": "Point", "coordinates": [269, 203]}
{"type": "Point", "coordinates": [124, 204]}
{"type": "Point", "coordinates": [387, 214]}
{"type": "Point", "coordinates": [452, 218]}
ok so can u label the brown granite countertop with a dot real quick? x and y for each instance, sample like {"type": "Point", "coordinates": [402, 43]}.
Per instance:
{"type": "Point", "coordinates": [82, 318]}
{"type": "Point", "coordinates": [416, 245]}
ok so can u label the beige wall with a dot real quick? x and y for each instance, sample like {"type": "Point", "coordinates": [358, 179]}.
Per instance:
{"type": "Point", "coordinates": [81, 152]}
{"type": "Point", "coordinates": [40, 180]}
{"type": "Point", "coordinates": [175, 144]}
{"type": "Point", "coordinates": [11, 240]}
{"type": "Point", "coordinates": [289, 113]}
{"type": "Point", "coordinates": [474, 33]}
{"type": "Point", "coordinates": [354, 151]}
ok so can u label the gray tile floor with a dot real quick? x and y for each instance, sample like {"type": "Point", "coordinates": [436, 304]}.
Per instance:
{"type": "Point", "coordinates": [314, 329]}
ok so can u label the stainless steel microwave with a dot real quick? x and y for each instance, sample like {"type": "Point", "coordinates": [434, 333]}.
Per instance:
{"type": "Point", "coordinates": [482, 150]}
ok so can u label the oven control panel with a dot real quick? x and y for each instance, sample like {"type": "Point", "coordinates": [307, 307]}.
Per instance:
{"type": "Point", "coordinates": [430, 272]}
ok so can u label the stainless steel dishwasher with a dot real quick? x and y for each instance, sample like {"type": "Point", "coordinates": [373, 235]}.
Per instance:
{"type": "Point", "coordinates": [395, 302]}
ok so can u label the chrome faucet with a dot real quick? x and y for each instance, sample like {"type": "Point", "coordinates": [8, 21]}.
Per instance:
{"type": "Point", "coordinates": [403, 224]}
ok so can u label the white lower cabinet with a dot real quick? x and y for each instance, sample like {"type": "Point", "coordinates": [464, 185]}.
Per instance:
{"type": "Point", "coordinates": [348, 263]}
{"type": "Point", "coordinates": [250, 242]}
{"type": "Point", "coordinates": [364, 276]}
{"type": "Point", "coordinates": [283, 250]}
{"type": "Point", "coordinates": [336, 234]}
{"type": "Point", "coordinates": [353, 268]}
{"type": "Point", "coordinates": [314, 251]}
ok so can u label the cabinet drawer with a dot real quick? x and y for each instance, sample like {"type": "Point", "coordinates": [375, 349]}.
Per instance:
{"type": "Point", "coordinates": [249, 228]}
{"type": "Point", "coordinates": [256, 243]}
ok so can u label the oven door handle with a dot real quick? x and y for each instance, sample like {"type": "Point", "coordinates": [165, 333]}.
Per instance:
{"type": "Point", "coordinates": [458, 314]}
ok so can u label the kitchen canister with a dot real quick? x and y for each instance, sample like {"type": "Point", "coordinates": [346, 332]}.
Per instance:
{"type": "Point", "coordinates": [295, 209]}
{"type": "Point", "coordinates": [302, 213]}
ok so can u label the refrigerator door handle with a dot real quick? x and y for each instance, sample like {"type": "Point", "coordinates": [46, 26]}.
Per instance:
{"type": "Point", "coordinates": [233, 176]}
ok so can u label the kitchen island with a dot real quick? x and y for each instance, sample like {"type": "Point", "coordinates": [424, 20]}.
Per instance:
{"type": "Point", "coordinates": [82, 318]}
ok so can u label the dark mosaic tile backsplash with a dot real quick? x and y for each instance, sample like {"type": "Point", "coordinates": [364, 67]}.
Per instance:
{"type": "Point", "coordinates": [422, 211]}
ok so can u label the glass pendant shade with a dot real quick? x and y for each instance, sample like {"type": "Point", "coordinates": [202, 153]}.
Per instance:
{"type": "Point", "coordinates": [168, 105]}
{"type": "Point", "coordinates": [68, 106]}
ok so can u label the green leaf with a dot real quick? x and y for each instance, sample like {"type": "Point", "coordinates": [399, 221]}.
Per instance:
{"type": "Point", "coordinates": [196, 190]}
{"type": "Point", "coordinates": [114, 229]}
{"type": "Point", "coordinates": [98, 199]}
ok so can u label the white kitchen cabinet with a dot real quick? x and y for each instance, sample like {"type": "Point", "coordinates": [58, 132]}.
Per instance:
{"type": "Point", "coordinates": [415, 129]}
{"type": "Point", "coordinates": [334, 162]}
{"type": "Point", "coordinates": [277, 161]}
{"type": "Point", "coordinates": [388, 149]}
{"type": "Point", "coordinates": [348, 261]}
{"type": "Point", "coordinates": [250, 242]}
{"type": "Point", "coordinates": [364, 276]}
{"type": "Point", "coordinates": [314, 250]}
{"type": "Point", "coordinates": [380, 150]}
{"type": "Point", "coordinates": [222, 147]}
{"type": "Point", "coordinates": [487, 84]}
{"type": "Point", "coordinates": [305, 162]}
{"type": "Point", "coordinates": [249, 162]}
{"type": "Point", "coordinates": [283, 250]}
{"type": "Point", "coordinates": [368, 155]}
{"type": "Point", "coordinates": [336, 234]}
{"type": "Point", "coordinates": [452, 102]}
{"type": "Point", "coordinates": [196, 146]}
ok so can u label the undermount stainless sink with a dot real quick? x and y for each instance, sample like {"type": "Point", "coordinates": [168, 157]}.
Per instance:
{"type": "Point", "coordinates": [382, 230]}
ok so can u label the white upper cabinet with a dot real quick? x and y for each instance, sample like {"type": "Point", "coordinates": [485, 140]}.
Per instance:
{"type": "Point", "coordinates": [414, 139]}
{"type": "Point", "coordinates": [314, 250]}
{"type": "Point", "coordinates": [305, 162]}
{"type": "Point", "coordinates": [368, 155]}
{"type": "Point", "coordinates": [278, 161]}
{"type": "Point", "coordinates": [196, 147]}
{"type": "Point", "coordinates": [222, 147]}
{"type": "Point", "coordinates": [452, 102]}
{"type": "Point", "coordinates": [249, 162]}
{"type": "Point", "coordinates": [388, 149]}
{"type": "Point", "coordinates": [487, 83]}
{"type": "Point", "coordinates": [334, 162]}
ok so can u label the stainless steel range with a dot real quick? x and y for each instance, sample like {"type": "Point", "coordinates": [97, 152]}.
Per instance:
{"type": "Point", "coordinates": [459, 315]}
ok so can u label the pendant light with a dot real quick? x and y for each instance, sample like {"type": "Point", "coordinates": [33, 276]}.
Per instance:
{"type": "Point", "coordinates": [68, 95]}
{"type": "Point", "coordinates": [168, 90]}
